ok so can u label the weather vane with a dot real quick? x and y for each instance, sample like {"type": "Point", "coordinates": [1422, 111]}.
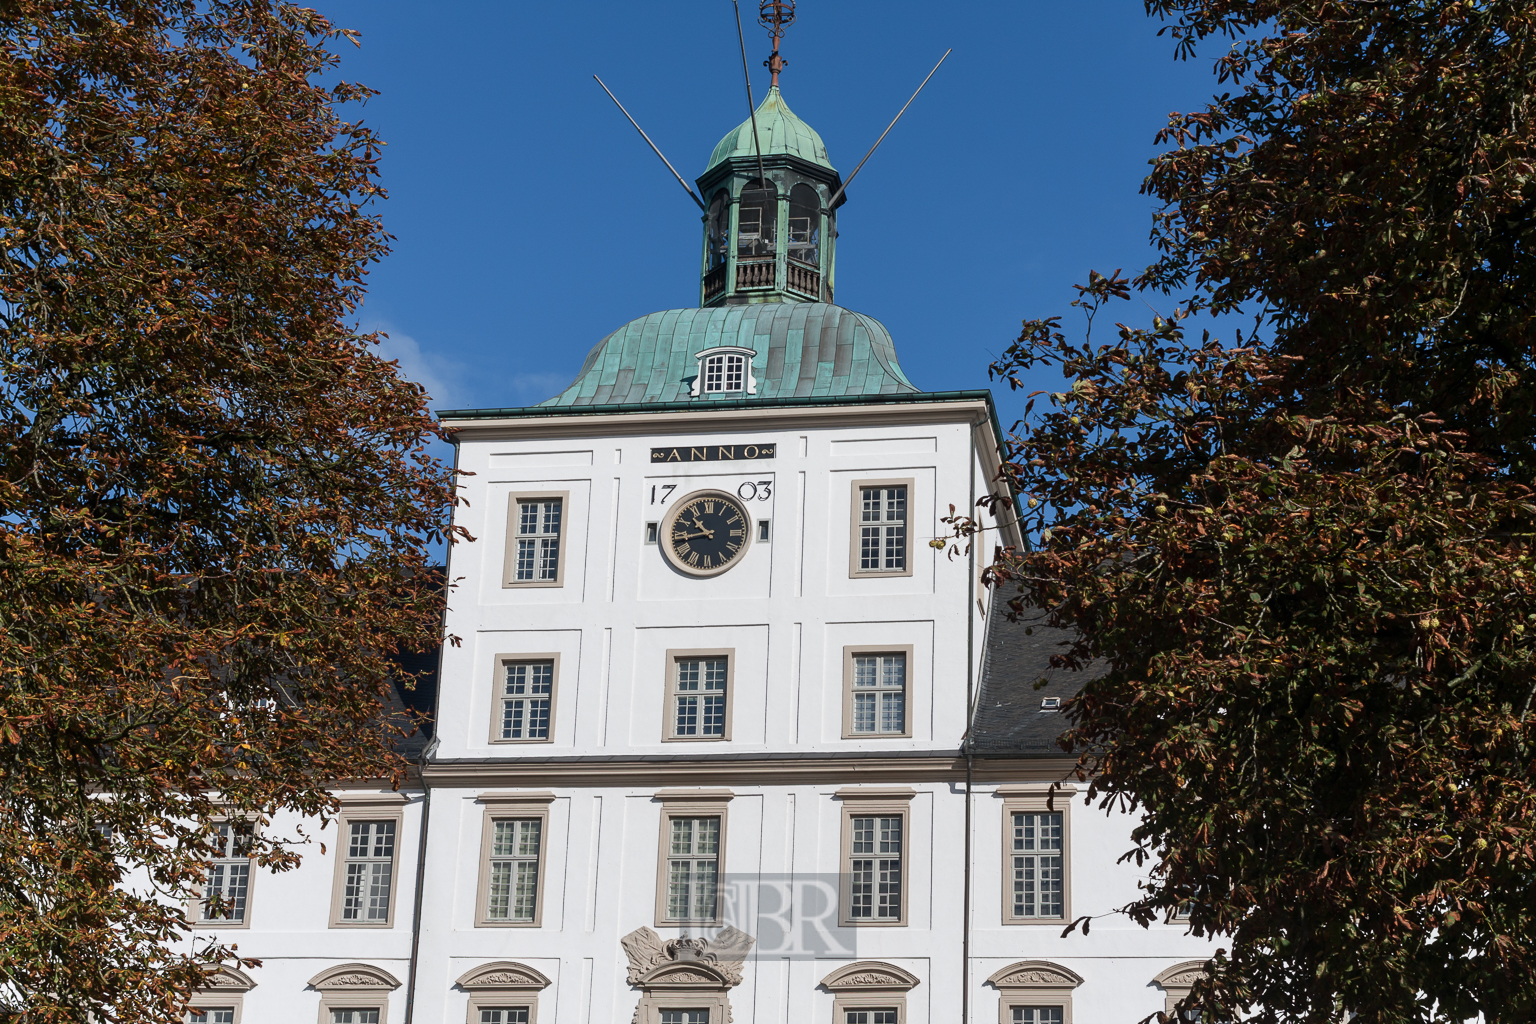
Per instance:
{"type": "Point", "coordinates": [776, 16]}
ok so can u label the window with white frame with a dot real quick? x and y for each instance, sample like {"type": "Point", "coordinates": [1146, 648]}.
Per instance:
{"type": "Point", "coordinates": [227, 885]}
{"type": "Point", "coordinates": [725, 372]}
{"type": "Point", "coordinates": [870, 1016]}
{"type": "Point", "coordinates": [538, 540]}
{"type": "Point", "coordinates": [211, 1015]}
{"type": "Point", "coordinates": [503, 1015]}
{"type": "Point", "coordinates": [368, 874]}
{"type": "Point", "coordinates": [875, 867]}
{"type": "Point", "coordinates": [685, 1016]}
{"type": "Point", "coordinates": [693, 868]}
{"type": "Point", "coordinates": [355, 1015]}
{"type": "Point", "coordinates": [881, 538]}
{"type": "Point", "coordinates": [513, 888]}
{"type": "Point", "coordinates": [1036, 1015]}
{"type": "Point", "coordinates": [1035, 849]}
{"type": "Point", "coordinates": [699, 695]}
{"type": "Point", "coordinates": [877, 693]}
{"type": "Point", "coordinates": [527, 695]}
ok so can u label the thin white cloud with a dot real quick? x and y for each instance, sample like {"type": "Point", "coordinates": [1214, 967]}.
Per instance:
{"type": "Point", "coordinates": [440, 375]}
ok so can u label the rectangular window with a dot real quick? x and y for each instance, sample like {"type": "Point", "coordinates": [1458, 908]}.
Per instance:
{"type": "Point", "coordinates": [514, 839]}
{"type": "Point", "coordinates": [693, 869]}
{"type": "Point", "coordinates": [526, 694]}
{"type": "Point", "coordinates": [504, 1015]}
{"type": "Point", "coordinates": [514, 881]}
{"type": "Point", "coordinates": [369, 877]}
{"type": "Point", "coordinates": [1037, 1015]}
{"type": "Point", "coordinates": [355, 1015]}
{"type": "Point", "coordinates": [874, 869]}
{"type": "Point", "coordinates": [881, 539]}
{"type": "Point", "coordinates": [211, 1015]}
{"type": "Point", "coordinates": [228, 883]}
{"type": "Point", "coordinates": [875, 683]}
{"type": "Point", "coordinates": [698, 695]}
{"type": "Point", "coordinates": [535, 531]}
{"type": "Point", "coordinates": [885, 1016]}
{"type": "Point", "coordinates": [1037, 855]}
{"type": "Point", "coordinates": [1036, 864]}
{"type": "Point", "coordinates": [684, 1017]}
{"type": "Point", "coordinates": [725, 372]}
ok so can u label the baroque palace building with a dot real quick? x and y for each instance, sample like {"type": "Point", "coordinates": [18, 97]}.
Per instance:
{"type": "Point", "coordinates": [726, 738]}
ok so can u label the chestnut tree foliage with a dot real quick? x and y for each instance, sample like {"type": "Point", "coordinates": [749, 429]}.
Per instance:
{"type": "Point", "coordinates": [1303, 554]}
{"type": "Point", "coordinates": [216, 505]}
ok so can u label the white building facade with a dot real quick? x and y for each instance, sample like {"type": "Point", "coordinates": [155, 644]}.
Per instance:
{"type": "Point", "coordinates": [725, 739]}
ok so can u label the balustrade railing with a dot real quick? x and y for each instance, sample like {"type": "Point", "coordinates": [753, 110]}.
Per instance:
{"type": "Point", "coordinates": [758, 274]}
{"type": "Point", "coordinates": [805, 280]}
{"type": "Point", "coordinates": [714, 283]}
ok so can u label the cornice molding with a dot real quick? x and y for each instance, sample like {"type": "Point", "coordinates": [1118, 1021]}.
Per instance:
{"type": "Point", "coordinates": [765, 771]}
{"type": "Point", "coordinates": [1035, 974]}
{"type": "Point", "coordinates": [1181, 976]}
{"type": "Point", "coordinates": [227, 979]}
{"type": "Point", "coordinates": [705, 420]}
{"type": "Point", "coordinates": [351, 977]}
{"type": "Point", "coordinates": [870, 976]}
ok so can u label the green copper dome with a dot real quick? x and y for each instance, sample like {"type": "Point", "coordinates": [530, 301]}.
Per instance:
{"type": "Point", "coordinates": [803, 350]}
{"type": "Point", "coordinates": [779, 132]}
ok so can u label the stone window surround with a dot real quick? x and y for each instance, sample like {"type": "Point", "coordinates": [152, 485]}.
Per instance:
{"type": "Point", "coordinates": [502, 983]}
{"type": "Point", "coordinates": [1176, 981]}
{"type": "Point", "coordinates": [195, 905]}
{"type": "Point", "coordinates": [669, 703]}
{"type": "Point", "coordinates": [367, 807]}
{"type": "Point", "coordinates": [873, 801]}
{"type": "Point", "coordinates": [509, 554]}
{"type": "Point", "coordinates": [869, 985]}
{"type": "Point", "coordinates": [225, 988]}
{"type": "Point", "coordinates": [1033, 799]}
{"type": "Point", "coordinates": [855, 524]}
{"type": "Point", "coordinates": [354, 986]}
{"type": "Point", "coordinates": [1034, 983]}
{"type": "Point", "coordinates": [505, 806]}
{"type": "Point", "coordinates": [849, 651]}
{"type": "Point", "coordinates": [688, 803]}
{"type": "Point", "coordinates": [498, 691]}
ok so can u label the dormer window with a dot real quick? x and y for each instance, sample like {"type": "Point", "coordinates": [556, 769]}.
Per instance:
{"type": "Point", "coordinates": [725, 370]}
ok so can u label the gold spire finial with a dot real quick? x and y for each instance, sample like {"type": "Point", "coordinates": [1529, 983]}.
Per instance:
{"type": "Point", "coordinates": [776, 16]}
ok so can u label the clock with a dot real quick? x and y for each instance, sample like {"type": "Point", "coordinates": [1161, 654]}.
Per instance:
{"type": "Point", "coordinates": [706, 533]}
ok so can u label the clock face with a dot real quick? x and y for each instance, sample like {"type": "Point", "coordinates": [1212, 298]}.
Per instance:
{"type": "Point", "coordinates": [706, 533]}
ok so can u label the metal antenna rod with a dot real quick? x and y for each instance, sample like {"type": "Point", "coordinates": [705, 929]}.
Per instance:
{"type": "Point", "coordinates": [757, 148]}
{"type": "Point", "coordinates": [648, 142]}
{"type": "Point", "coordinates": [838, 194]}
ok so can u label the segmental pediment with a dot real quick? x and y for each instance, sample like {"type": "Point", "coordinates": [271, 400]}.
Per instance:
{"type": "Point", "coordinates": [503, 974]}
{"type": "Point", "coordinates": [867, 975]}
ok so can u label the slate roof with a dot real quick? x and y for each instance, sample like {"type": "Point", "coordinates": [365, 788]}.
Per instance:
{"type": "Point", "coordinates": [1009, 720]}
{"type": "Point", "coordinates": [779, 133]}
{"type": "Point", "coordinates": [804, 350]}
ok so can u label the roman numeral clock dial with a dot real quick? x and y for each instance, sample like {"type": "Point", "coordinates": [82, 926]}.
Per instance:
{"type": "Point", "coordinates": [706, 533]}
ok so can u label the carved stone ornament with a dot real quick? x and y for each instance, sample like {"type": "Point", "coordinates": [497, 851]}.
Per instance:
{"type": "Point", "coordinates": [503, 975]}
{"type": "Point", "coordinates": [1181, 976]}
{"type": "Point", "coordinates": [719, 957]}
{"type": "Point", "coordinates": [227, 979]}
{"type": "Point", "coordinates": [868, 975]}
{"type": "Point", "coordinates": [1034, 974]}
{"type": "Point", "coordinates": [351, 977]}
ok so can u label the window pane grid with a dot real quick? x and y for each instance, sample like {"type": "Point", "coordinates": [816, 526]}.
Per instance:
{"type": "Point", "coordinates": [211, 1015]}
{"type": "Point", "coordinates": [357, 1016]}
{"type": "Point", "coordinates": [880, 697]}
{"type": "Point", "coordinates": [875, 869]}
{"type": "Point", "coordinates": [538, 540]}
{"type": "Point", "coordinates": [725, 372]}
{"type": "Point", "coordinates": [693, 864]}
{"type": "Point", "coordinates": [504, 1015]}
{"type": "Point", "coordinates": [684, 1017]}
{"type": "Point", "coordinates": [1037, 1015]}
{"type": "Point", "coordinates": [526, 697]}
{"type": "Point", "coordinates": [369, 872]}
{"type": "Point", "coordinates": [883, 529]}
{"type": "Point", "coordinates": [1035, 848]}
{"type": "Point", "coordinates": [514, 869]}
{"type": "Point", "coordinates": [869, 1016]}
{"type": "Point", "coordinates": [228, 881]}
{"type": "Point", "coordinates": [699, 702]}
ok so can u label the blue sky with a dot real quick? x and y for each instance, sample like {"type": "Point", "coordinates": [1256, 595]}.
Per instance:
{"type": "Point", "coordinates": [531, 220]}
